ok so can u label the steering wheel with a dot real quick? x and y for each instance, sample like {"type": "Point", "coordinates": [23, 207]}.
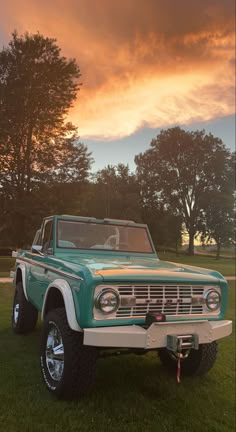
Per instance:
{"type": "Point", "coordinates": [113, 240]}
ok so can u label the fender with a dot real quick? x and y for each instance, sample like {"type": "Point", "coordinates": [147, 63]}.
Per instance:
{"type": "Point", "coordinates": [22, 268]}
{"type": "Point", "coordinates": [65, 290]}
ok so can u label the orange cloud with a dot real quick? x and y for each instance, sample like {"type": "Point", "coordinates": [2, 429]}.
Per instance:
{"type": "Point", "coordinates": [152, 63]}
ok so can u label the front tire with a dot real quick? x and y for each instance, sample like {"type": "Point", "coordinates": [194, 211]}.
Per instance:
{"type": "Point", "coordinates": [196, 362]}
{"type": "Point", "coordinates": [24, 314]}
{"type": "Point", "coordinates": [68, 366]}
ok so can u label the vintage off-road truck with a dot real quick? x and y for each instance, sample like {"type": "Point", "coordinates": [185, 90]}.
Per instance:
{"type": "Point", "coordinates": [99, 284]}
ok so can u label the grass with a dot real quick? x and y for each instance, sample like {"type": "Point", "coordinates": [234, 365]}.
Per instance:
{"type": "Point", "coordinates": [225, 266]}
{"type": "Point", "coordinates": [6, 264]}
{"type": "Point", "coordinates": [132, 393]}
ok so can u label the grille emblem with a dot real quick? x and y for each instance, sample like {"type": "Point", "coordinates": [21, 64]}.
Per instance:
{"type": "Point", "coordinates": [165, 301]}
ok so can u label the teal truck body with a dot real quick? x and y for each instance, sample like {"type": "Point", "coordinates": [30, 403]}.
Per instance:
{"type": "Point", "coordinates": [101, 282]}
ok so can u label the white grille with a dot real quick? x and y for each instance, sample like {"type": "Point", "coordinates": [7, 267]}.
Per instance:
{"type": "Point", "coordinates": [167, 299]}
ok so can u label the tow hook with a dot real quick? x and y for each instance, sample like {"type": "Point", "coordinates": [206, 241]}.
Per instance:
{"type": "Point", "coordinates": [181, 345]}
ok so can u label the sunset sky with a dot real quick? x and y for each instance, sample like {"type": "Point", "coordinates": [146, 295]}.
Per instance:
{"type": "Point", "coordinates": [145, 64]}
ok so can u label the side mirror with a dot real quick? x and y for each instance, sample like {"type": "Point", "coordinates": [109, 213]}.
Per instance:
{"type": "Point", "coordinates": [37, 249]}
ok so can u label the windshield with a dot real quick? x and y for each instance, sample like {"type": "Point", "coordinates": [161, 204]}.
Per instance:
{"type": "Point", "coordinates": [87, 235]}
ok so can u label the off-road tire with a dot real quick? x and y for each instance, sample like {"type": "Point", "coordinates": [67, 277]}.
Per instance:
{"type": "Point", "coordinates": [26, 319]}
{"type": "Point", "coordinates": [79, 360]}
{"type": "Point", "coordinates": [198, 362]}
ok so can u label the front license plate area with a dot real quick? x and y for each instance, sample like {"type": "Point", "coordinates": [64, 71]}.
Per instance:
{"type": "Point", "coordinates": [177, 343]}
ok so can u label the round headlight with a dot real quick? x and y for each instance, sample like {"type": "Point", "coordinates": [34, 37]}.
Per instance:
{"type": "Point", "coordinates": [213, 300]}
{"type": "Point", "coordinates": [107, 301]}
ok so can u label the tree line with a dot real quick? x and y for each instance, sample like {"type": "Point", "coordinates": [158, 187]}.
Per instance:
{"type": "Point", "coordinates": [184, 181]}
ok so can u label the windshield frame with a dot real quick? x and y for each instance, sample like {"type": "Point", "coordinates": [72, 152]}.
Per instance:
{"type": "Point", "coordinates": [105, 250]}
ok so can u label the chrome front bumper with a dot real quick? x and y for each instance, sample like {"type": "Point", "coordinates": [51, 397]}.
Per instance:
{"type": "Point", "coordinates": [134, 336]}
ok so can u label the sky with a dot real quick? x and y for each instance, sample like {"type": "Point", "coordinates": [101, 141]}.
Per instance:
{"type": "Point", "coordinates": [145, 65]}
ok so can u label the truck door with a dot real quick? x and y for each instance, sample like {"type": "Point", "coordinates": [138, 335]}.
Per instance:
{"type": "Point", "coordinates": [37, 280]}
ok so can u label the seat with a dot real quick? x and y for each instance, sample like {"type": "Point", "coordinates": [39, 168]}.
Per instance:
{"type": "Point", "coordinates": [66, 244]}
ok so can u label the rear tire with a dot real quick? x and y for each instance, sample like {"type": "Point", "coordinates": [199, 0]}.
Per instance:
{"type": "Point", "coordinates": [68, 367]}
{"type": "Point", "coordinates": [198, 362]}
{"type": "Point", "coordinates": [24, 314]}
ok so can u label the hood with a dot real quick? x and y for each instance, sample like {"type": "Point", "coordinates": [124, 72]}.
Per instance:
{"type": "Point", "coordinates": [133, 268]}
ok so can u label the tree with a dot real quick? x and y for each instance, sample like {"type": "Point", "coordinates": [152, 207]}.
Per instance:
{"type": "Point", "coordinates": [37, 87]}
{"type": "Point", "coordinates": [179, 170]}
{"type": "Point", "coordinates": [165, 227]}
{"type": "Point", "coordinates": [219, 221]}
{"type": "Point", "coordinates": [114, 193]}
{"type": "Point", "coordinates": [219, 212]}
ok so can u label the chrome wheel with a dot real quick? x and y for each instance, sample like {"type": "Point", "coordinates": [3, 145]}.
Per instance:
{"type": "Point", "coordinates": [55, 353]}
{"type": "Point", "coordinates": [16, 312]}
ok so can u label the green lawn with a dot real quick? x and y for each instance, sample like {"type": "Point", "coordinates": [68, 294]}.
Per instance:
{"type": "Point", "coordinates": [132, 393]}
{"type": "Point", "coordinates": [6, 264]}
{"type": "Point", "coordinates": [226, 266]}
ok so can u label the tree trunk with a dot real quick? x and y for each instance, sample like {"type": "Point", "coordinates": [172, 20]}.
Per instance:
{"type": "Point", "coordinates": [28, 158]}
{"type": "Point", "coordinates": [218, 251]}
{"type": "Point", "coordinates": [176, 247]}
{"type": "Point", "coordinates": [2, 228]}
{"type": "Point", "coordinates": [191, 243]}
